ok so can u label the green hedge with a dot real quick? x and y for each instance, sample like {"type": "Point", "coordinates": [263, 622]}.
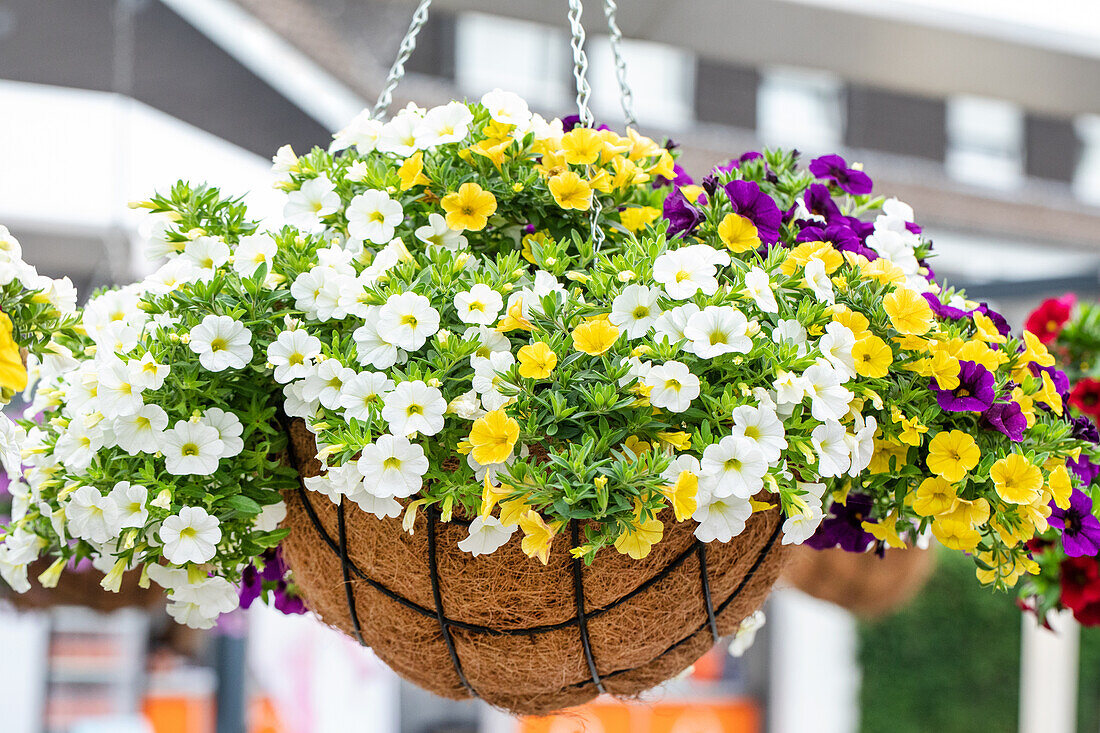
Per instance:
{"type": "Point", "coordinates": [950, 662]}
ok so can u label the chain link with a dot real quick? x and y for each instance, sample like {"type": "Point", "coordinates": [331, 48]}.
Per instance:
{"type": "Point", "coordinates": [615, 39]}
{"type": "Point", "coordinates": [584, 93]}
{"type": "Point", "coordinates": [404, 51]}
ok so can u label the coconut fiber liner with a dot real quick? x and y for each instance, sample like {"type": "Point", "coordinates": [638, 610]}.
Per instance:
{"type": "Point", "coordinates": [861, 582]}
{"type": "Point", "coordinates": [524, 636]}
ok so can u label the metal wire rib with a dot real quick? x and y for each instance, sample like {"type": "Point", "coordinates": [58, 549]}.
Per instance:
{"type": "Point", "coordinates": [615, 39]}
{"type": "Point", "coordinates": [437, 598]}
{"type": "Point", "coordinates": [704, 579]}
{"type": "Point", "coordinates": [345, 569]}
{"type": "Point", "coordinates": [404, 51]}
{"type": "Point", "coordinates": [578, 596]}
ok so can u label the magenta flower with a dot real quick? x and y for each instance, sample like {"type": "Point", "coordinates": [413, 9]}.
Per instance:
{"type": "Point", "coordinates": [1008, 418]}
{"type": "Point", "coordinates": [974, 393]}
{"type": "Point", "coordinates": [835, 168]}
{"type": "Point", "coordinates": [682, 216]}
{"type": "Point", "coordinates": [756, 206]}
{"type": "Point", "coordinates": [843, 527]}
{"type": "Point", "coordinates": [1080, 529]}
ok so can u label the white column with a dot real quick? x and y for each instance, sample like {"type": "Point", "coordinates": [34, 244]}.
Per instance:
{"type": "Point", "coordinates": [1048, 675]}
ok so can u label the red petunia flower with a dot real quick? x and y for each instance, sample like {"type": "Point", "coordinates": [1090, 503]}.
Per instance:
{"type": "Point", "coordinates": [1047, 320]}
{"type": "Point", "coordinates": [1086, 396]}
{"type": "Point", "coordinates": [1081, 588]}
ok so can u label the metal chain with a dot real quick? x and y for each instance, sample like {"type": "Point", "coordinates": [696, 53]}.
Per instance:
{"type": "Point", "coordinates": [404, 51]}
{"type": "Point", "coordinates": [615, 39]}
{"type": "Point", "coordinates": [584, 92]}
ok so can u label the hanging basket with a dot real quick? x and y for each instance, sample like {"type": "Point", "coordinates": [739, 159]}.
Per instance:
{"type": "Point", "coordinates": [861, 582]}
{"type": "Point", "coordinates": [527, 637]}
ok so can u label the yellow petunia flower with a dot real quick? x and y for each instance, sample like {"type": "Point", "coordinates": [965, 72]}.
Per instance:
{"type": "Point", "coordinates": [636, 445]}
{"type": "Point", "coordinates": [854, 321]}
{"type": "Point", "coordinates": [691, 192]}
{"type": "Point", "coordinates": [934, 496]}
{"type": "Point", "coordinates": [1049, 395]}
{"type": "Point", "coordinates": [595, 337]}
{"type": "Point", "coordinates": [637, 218]}
{"type": "Point", "coordinates": [908, 311]}
{"type": "Point", "coordinates": [529, 241]}
{"type": "Point", "coordinates": [884, 271]}
{"type": "Point", "coordinates": [987, 332]}
{"type": "Point", "coordinates": [885, 450]}
{"type": "Point", "coordinates": [679, 440]}
{"type": "Point", "coordinates": [738, 233]}
{"type": "Point", "coordinates": [469, 208]}
{"type": "Point", "coordinates": [980, 353]}
{"type": "Point", "coordinates": [1027, 404]}
{"type": "Point", "coordinates": [536, 360]}
{"type": "Point", "coordinates": [494, 150]}
{"type": "Point", "coordinates": [956, 535]}
{"type": "Point", "coordinates": [582, 145]}
{"type": "Point", "coordinates": [1059, 486]}
{"type": "Point", "coordinates": [512, 510]}
{"type": "Point", "coordinates": [639, 539]}
{"type": "Point", "coordinates": [912, 430]}
{"type": "Point", "coordinates": [1035, 351]}
{"type": "Point", "coordinates": [490, 495]}
{"type": "Point", "coordinates": [872, 356]}
{"type": "Point", "coordinates": [683, 495]}
{"type": "Point", "coordinates": [13, 373]}
{"type": "Point", "coordinates": [600, 181]}
{"type": "Point", "coordinates": [974, 513]}
{"type": "Point", "coordinates": [885, 531]}
{"type": "Point", "coordinates": [627, 173]}
{"type": "Point", "coordinates": [514, 318]}
{"type": "Point", "coordinates": [1017, 480]}
{"type": "Point", "coordinates": [537, 536]}
{"type": "Point", "coordinates": [552, 164]}
{"type": "Point", "coordinates": [951, 454]}
{"type": "Point", "coordinates": [493, 436]}
{"type": "Point", "coordinates": [642, 146]}
{"type": "Point", "coordinates": [803, 253]}
{"type": "Point", "coordinates": [411, 172]}
{"type": "Point", "coordinates": [665, 166]}
{"type": "Point", "coordinates": [570, 191]}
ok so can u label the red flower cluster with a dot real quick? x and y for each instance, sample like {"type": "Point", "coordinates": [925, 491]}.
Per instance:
{"type": "Point", "coordinates": [1047, 320]}
{"type": "Point", "coordinates": [1081, 589]}
{"type": "Point", "coordinates": [1086, 397]}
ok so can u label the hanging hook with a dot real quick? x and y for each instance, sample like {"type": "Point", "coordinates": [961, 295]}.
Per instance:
{"type": "Point", "coordinates": [404, 51]}
{"type": "Point", "coordinates": [615, 39]}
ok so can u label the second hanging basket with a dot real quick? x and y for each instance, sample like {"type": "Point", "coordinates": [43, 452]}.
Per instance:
{"type": "Point", "coordinates": [523, 636]}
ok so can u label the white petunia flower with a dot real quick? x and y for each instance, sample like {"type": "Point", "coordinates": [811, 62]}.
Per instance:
{"type": "Point", "coordinates": [817, 280]}
{"type": "Point", "coordinates": [292, 354]}
{"type": "Point", "coordinates": [316, 199]}
{"type": "Point", "coordinates": [383, 507]}
{"type": "Point", "coordinates": [637, 371]}
{"type": "Point", "coordinates": [92, 516]}
{"type": "Point", "coordinates": [673, 386]}
{"type": "Point", "coordinates": [681, 463]}
{"type": "Point", "coordinates": [398, 136]}
{"type": "Point", "coordinates": [371, 347]}
{"type": "Point", "coordinates": [762, 427]}
{"type": "Point", "coordinates": [414, 407]}
{"type": "Point", "coordinates": [12, 437]}
{"type": "Point", "coordinates": [172, 275]}
{"type": "Point", "coordinates": [78, 444]}
{"type": "Point", "coordinates": [270, 517]}
{"type": "Point", "coordinates": [733, 466]}
{"type": "Point", "coordinates": [117, 394]}
{"type": "Point", "coordinates": [207, 254]}
{"type": "Point", "coordinates": [836, 346]}
{"type": "Point", "coordinates": [684, 272]}
{"type": "Point", "coordinates": [490, 341]}
{"type": "Point", "coordinates": [671, 324]}
{"type": "Point", "coordinates": [360, 395]}
{"type": "Point", "coordinates": [759, 288]}
{"type": "Point", "coordinates": [130, 499]}
{"type": "Point", "coordinates": [392, 467]}
{"type": "Point", "coordinates": [221, 343]}
{"type": "Point", "coordinates": [745, 635]}
{"type": "Point", "coordinates": [635, 310]}
{"type": "Point", "coordinates": [487, 534]}
{"type": "Point", "coordinates": [829, 399]}
{"type": "Point", "coordinates": [802, 526]}
{"type": "Point", "coordinates": [326, 381]}
{"type": "Point", "coordinates": [436, 233]}
{"type": "Point", "coordinates": [190, 536]}
{"type": "Point", "coordinates": [18, 550]}
{"type": "Point", "coordinates": [140, 432]}
{"type": "Point", "coordinates": [720, 520]}
{"type": "Point", "coordinates": [718, 330]}
{"type": "Point", "coordinates": [373, 216]}
{"type": "Point", "coordinates": [148, 373]}
{"type": "Point", "coordinates": [479, 305]}
{"type": "Point", "coordinates": [191, 449]}
{"type": "Point", "coordinates": [467, 406]}
{"type": "Point", "coordinates": [507, 108]}
{"type": "Point", "coordinates": [792, 332]}
{"type": "Point", "coordinates": [296, 405]}
{"type": "Point", "coordinates": [198, 605]}
{"type": "Point", "coordinates": [862, 444]}
{"type": "Point", "coordinates": [408, 320]}
{"type": "Point", "coordinates": [362, 133]}
{"type": "Point", "coordinates": [834, 455]}
{"type": "Point", "coordinates": [254, 250]}
{"type": "Point", "coordinates": [487, 377]}
{"type": "Point", "coordinates": [447, 124]}
{"type": "Point", "coordinates": [895, 247]}
{"type": "Point", "coordinates": [229, 429]}
{"type": "Point", "coordinates": [284, 161]}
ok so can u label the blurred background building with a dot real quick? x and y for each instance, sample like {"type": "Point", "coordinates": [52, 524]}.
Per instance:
{"type": "Point", "coordinates": [985, 116]}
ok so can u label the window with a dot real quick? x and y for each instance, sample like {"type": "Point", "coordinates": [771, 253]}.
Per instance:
{"type": "Point", "coordinates": [985, 141]}
{"type": "Point", "coordinates": [661, 77]}
{"type": "Point", "coordinates": [801, 109]}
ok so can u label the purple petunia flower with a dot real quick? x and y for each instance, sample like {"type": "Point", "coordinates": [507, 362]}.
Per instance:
{"type": "Point", "coordinates": [1008, 418]}
{"type": "Point", "coordinates": [840, 236]}
{"type": "Point", "coordinates": [736, 162]}
{"type": "Point", "coordinates": [843, 527]}
{"type": "Point", "coordinates": [682, 178]}
{"type": "Point", "coordinates": [943, 310]}
{"type": "Point", "coordinates": [819, 201]}
{"type": "Point", "coordinates": [974, 393]}
{"type": "Point", "coordinates": [682, 216]}
{"type": "Point", "coordinates": [1057, 376]}
{"type": "Point", "coordinates": [1080, 529]}
{"type": "Point", "coordinates": [1085, 429]}
{"type": "Point", "coordinates": [756, 206]}
{"type": "Point", "coordinates": [835, 168]}
{"type": "Point", "coordinates": [1083, 469]}
{"type": "Point", "coordinates": [570, 121]}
